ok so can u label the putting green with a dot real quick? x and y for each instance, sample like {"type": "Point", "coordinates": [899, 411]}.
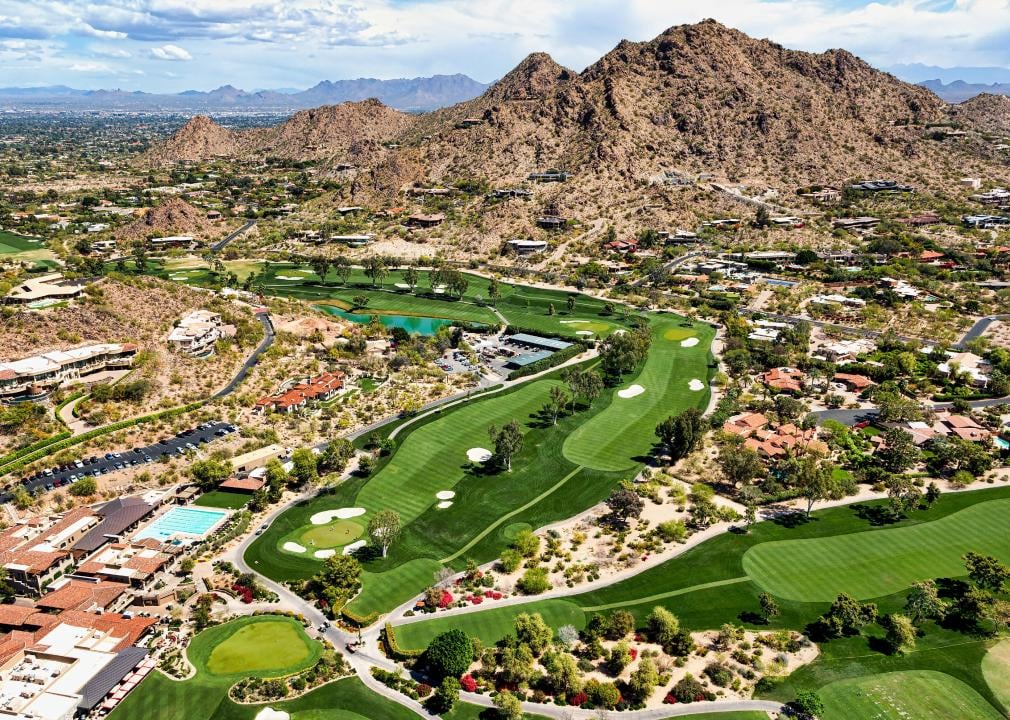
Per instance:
{"type": "Point", "coordinates": [617, 438]}
{"type": "Point", "coordinates": [331, 535]}
{"type": "Point", "coordinates": [909, 695]}
{"type": "Point", "coordinates": [996, 671]}
{"type": "Point", "coordinates": [879, 562]}
{"type": "Point", "coordinates": [266, 644]}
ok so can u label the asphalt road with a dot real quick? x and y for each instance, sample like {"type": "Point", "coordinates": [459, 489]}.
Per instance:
{"type": "Point", "coordinates": [980, 327]}
{"type": "Point", "coordinates": [265, 343]}
{"type": "Point", "coordinates": [172, 445]}
{"type": "Point", "coordinates": [851, 417]}
{"type": "Point", "coordinates": [220, 245]}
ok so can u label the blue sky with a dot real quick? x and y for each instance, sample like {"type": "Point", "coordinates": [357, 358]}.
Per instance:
{"type": "Point", "coordinates": [173, 45]}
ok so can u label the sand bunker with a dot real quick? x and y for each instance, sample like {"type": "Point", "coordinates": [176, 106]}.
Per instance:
{"type": "Point", "coordinates": [444, 504]}
{"type": "Point", "coordinates": [630, 392]}
{"type": "Point", "coordinates": [290, 277]}
{"type": "Point", "coordinates": [271, 714]}
{"type": "Point", "coordinates": [321, 518]}
{"type": "Point", "coordinates": [584, 332]}
{"type": "Point", "coordinates": [689, 342]}
{"type": "Point", "coordinates": [354, 547]}
{"type": "Point", "coordinates": [293, 547]}
{"type": "Point", "coordinates": [323, 554]}
{"type": "Point", "coordinates": [478, 454]}
{"type": "Point", "coordinates": [572, 322]}
{"type": "Point", "coordinates": [696, 385]}
{"type": "Point", "coordinates": [445, 494]}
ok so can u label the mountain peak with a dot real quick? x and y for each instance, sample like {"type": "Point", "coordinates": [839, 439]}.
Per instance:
{"type": "Point", "coordinates": [535, 76]}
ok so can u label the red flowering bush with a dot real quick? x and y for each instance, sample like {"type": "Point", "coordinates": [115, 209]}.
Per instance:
{"type": "Point", "coordinates": [423, 689]}
{"type": "Point", "coordinates": [468, 683]}
{"type": "Point", "coordinates": [670, 699]}
{"type": "Point", "coordinates": [633, 652]}
{"type": "Point", "coordinates": [577, 699]}
{"type": "Point", "coordinates": [446, 599]}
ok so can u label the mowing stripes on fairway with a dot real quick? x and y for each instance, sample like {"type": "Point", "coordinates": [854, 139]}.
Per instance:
{"type": "Point", "coordinates": [663, 596]}
{"type": "Point", "coordinates": [512, 514]}
{"type": "Point", "coordinates": [879, 562]}
{"type": "Point", "coordinates": [996, 671]}
{"type": "Point", "coordinates": [908, 695]}
{"type": "Point", "coordinates": [616, 438]}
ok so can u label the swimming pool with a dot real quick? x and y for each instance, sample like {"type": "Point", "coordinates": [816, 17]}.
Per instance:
{"type": "Point", "coordinates": [188, 522]}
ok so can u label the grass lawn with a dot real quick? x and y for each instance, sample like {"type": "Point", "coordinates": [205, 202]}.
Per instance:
{"type": "Point", "coordinates": [996, 670]}
{"type": "Point", "coordinates": [263, 646]}
{"type": "Point", "coordinates": [922, 695]}
{"type": "Point", "coordinates": [709, 585]}
{"type": "Point", "coordinates": [466, 711]}
{"type": "Point", "coordinates": [874, 563]}
{"type": "Point", "coordinates": [490, 625]}
{"type": "Point", "coordinates": [25, 248]}
{"type": "Point", "coordinates": [244, 651]}
{"type": "Point", "coordinates": [334, 534]}
{"type": "Point", "coordinates": [624, 433]}
{"type": "Point", "coordinates": [223, 499]}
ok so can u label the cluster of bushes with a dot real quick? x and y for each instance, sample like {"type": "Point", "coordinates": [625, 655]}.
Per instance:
{"type": "Point", "coordinates": [330, 666]}
{"type": "Point", "coordinates": [402, 684]}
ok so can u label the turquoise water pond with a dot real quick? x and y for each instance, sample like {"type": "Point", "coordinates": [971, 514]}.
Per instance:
{"type": "Point", "coordinates": [415, 325]}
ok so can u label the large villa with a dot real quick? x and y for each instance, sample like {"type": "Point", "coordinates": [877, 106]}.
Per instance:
{"type": "Point", "coordinates": [35, 377]}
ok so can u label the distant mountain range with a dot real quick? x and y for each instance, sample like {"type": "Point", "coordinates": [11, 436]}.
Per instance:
{"type": "Point", "coordinates": [406, 94]}
{"type": "Point", "coordinates": [959, 90]}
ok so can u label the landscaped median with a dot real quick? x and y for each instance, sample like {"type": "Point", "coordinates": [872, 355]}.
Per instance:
{"type": "Point", "coordinates": [65, 442]}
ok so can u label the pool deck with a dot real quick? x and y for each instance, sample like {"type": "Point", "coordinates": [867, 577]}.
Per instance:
{"type": "Point", "coordinates": [180, 536]}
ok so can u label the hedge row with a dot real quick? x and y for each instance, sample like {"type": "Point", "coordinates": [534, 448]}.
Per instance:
{"type": "Point", "coordinates": [548, 362]}
{"type": "Point", "coordinates": [37, 445]}
{"type": "Point", "coordinates": [395, 650]}
{"type": "Point", "coordinates": [97, 432]}
{"type": "Point", "coordinates": [359, 620]}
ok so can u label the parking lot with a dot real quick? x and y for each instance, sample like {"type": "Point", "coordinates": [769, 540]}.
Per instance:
{"type": "Point", "coordinates": [186, 441]}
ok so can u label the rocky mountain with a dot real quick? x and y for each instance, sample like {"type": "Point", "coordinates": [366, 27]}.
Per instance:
{"type": "Point", "coordinates": [959, 90]}
{"type": "Point", "coordinates": [986, 112]}
{"type": "Point", "coordinates": [199, 139]}
{"type": "Point", "coordinates": [698, 98]}
{"type": "Point", "coordinates": [172, 217]}
{"type": "Point", "coordinates": [418, 94]}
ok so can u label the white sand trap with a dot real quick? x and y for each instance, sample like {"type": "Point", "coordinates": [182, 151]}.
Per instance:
{"type": "Point", "coordinates": [630, 392]}
{"type": "Point", "coordinates": [445, 494]}
{"type": "Point", "coordinates": [290, 277]}
{"type": "Point", "coordinates": [354, 546]}
{"type": "Point", "coordinates": [402, 286]}
{"type": "Point", "coordinates": [321, 518]}
{"type": "Point", "coordinates": [689, 342]}
{"type": "Point", "coordinates": [478, 454]}
{"type": "Point", "coordinates": [444, 504]}
{"type": "Point", "coordinates": [293, 547]}
{"type": "Point", "coordinates": [696, 385]}
{"type": "Point", "coordinates": [584, 332]}
{"type": "Point", "coordinates": [271, 714]}
{"type": "Point", "coordinates": [572, 322]}
{"type": "Point", "coordinates": [323, 554]}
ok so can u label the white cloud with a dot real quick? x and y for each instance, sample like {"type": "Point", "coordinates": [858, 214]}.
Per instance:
{"type": "Point", "coordinates": [170, 52]}
{"type": "Point", "coordinates": [89, 67]}
{"type": "Point", "coordinates": [111, 52]}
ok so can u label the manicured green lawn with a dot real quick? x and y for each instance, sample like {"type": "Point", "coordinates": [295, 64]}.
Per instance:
{"type": "Point", "coordinates": [922, 695]}
{"type": "Point", "coordinates": [11, 243]}
{"type": "Point", "coordinates": [223, 499]}
{"type": "Point", "coordinates": [466, 711]}
{"type": "Point", "coordinates": [489, 625]}
{"type": "Point", "coordinates": [996, 670]}
{"type": "Point", "coordinates": [874, 563]}
{"type": "Point", "coordinates": [625, 432]}
{"type": "Point", "coordinates": [331, 535]}
{"type": "Point", "coordinates": [263, 646]}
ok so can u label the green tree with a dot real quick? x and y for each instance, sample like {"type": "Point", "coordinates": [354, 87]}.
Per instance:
{"type": "Point", "coordinates": [359, 301]}
{"type": "Point", "coordinates": [808, 705]}
{"type": "Point", "coordinates": [337, 581]}
{"type": "Point", "coordinates": [507, 441]}
{"type": "Point", "coordinates": [898, 452]}
{"type": "Point", "coordinates": [662, 625]}
{"type": "Point", "coordinates": [618, 658]}
{"type": "Point", "coordinates": [562, 673]}
{"type": "Point", "coordinates": [384, 528]}
{"type": "Point", "coordinates": [22, 498]}
{"type": "Point", "coordinates": [375, 268]}
{"type": "Point", "coordinates": [335, 456]}
{"type": "Point", "coordinates": [410, 277]}
{"type": "Point", "coordinates": [343, 267]}
{"type": "Point", "coordinates": [556, 402]}
{"type": "Point", "coordinates": [508, 706]}
{"type": "Point", "coordinates": [923, 602]}
{"type": "Point", "coordinates": [570, 301]}
{"type": "Point", "coordinates": [526, 543]}
{"type": "Point", "coordinates": [321, 267]}
{"type": "Point", "coordinates": [901, 633]}
{"type": "Point", "coordinates": [493, 291]}
{"type": "Point", "coordinates": [517, 664]}
{"type": "Point", "coordinates": [446, 696]}
{"type": "Point", "coordinates": [449, 654]}
{"type": "Point", "coordinates": [209, 473]}
{"type": "Point", "coordinates": [304, 468]}
{"type": "Point", "coordinates": [532, 631]}
{"type": "Point", "coordinates": [85, 487]}
{"type": "Point", "coordinates": [682, 434]}
{"type": "Point", "coordinates": [816, 480]}
{"type": "Point", "coordinates": [643, 680]}
{"type": "Point", "coordinates": [986, 571]}
{"type": "Point", "coordinates": [769, 606]}
{"type": "Point", "coordinates": [620, 624]}
{"type": "Point", "coordinates": [740, 464]}
{"type": "Point", "coordinates": [846, 616]}
{"type": "Point", "coordinates": [624, 504]}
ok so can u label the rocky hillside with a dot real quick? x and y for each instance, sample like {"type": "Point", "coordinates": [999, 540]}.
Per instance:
{"type": "Point", "coordinates": [699, 98]}
{"type": "Point", "coordinates": [986, 113]}
{"type": "Point", "coordinates": [199, 139]}
{"type": "Point", "coordinates": [172, 217]}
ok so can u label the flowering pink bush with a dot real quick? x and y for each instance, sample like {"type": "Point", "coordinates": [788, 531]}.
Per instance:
{"type": "Point", "coordinates": [468, 683]}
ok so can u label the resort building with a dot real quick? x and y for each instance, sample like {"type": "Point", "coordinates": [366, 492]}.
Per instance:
{"type": "Point", "coordinates": [88, 596]}
{"type": "Point", "coordinates": [45, 287]}
{"type": "Point", "coordinates": [197, 332]}
{"type": "Point", "coordinates": [320, 388]}
{"type": "Point", "coordinates": [37, 376]}
{"type": "Point", "coordinates": [134, 564]}
{"type": "Point", "coordinates": [118, 518]}
{"type": "Point", "coordinates": [36, 550]}
{"type": "Point", "coordinates": [527, 247]}
{"type": "Point", "coordinates": [256, 458]}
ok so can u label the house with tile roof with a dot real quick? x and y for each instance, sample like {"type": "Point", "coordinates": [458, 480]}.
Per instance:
{"type": "Point", "coordinates": [321, 388]}
{"type": "Point", "coordinates": [37, 551]}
